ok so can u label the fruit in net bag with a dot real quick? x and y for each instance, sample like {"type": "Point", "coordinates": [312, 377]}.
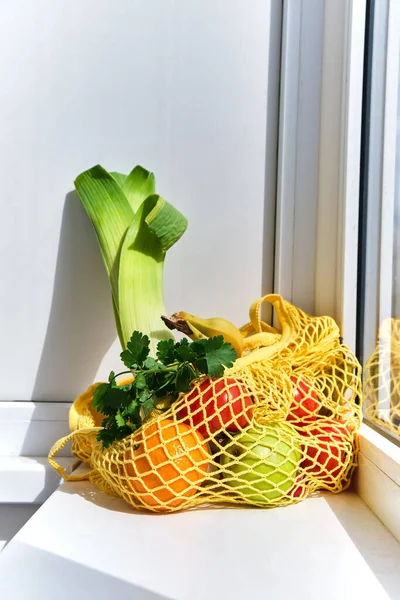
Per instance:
{"type": "Point", "coordinates": [305, 404]}
{"type": "Point", "coordinates": [166, 464]}
{"type": "Point", "coordinates": [149, 448]}
{"type": "Point", "coordinates": [262, 463]}
{"type": "Point", "coordinates": [327, 443]}
{"type": "Point", "coordinates": [217, 405]}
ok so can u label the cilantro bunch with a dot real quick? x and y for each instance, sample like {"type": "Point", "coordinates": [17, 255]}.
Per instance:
{"type": "Point", "coordinates": [155, 379]}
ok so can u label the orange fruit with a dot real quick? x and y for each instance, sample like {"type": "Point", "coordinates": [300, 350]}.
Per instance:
{"type": "Point", "coordinates": [166, 464]}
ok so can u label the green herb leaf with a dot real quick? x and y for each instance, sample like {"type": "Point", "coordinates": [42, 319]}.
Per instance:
{"type": "Point", "coordinates": [148, 405]}
{"type": "Point", "coordinates": [100, 400]}
{"type": "Point", "coordinates": [107, 437]}
{"type": "Point", "coordinates": [177, 366]}
{"type": "Point", "coordinates": [184, 375]}
{"type": "Point", "coordinates": [109, 422]}
{"type": "Point", "coordinates": [144, 396]}
{"type": "Point", "coordinates": [132, 408]}
{"type": "Point", "coordinates": [127, 387]}
{"type": "Point", "coordinates": [199, 346]}
{"type": "Point", "coordinates": [115, 398]}
{"type": "Point", "coordinates": [152, 364]}
{"type": "Point", "coordinates": [184, 352]}
{"type": "Point", "coordinates": [119, 419]}
{"type": "Point", "coordinates": [137, 350]}
{"type": "Point", "coordinates": [165, 351]}
{"type": "Point", "coordinates": [201, 365]}
{"type": "Point", "coordinates": [219, 354]}
{"type": "Point", "coordinates": [141, 381]}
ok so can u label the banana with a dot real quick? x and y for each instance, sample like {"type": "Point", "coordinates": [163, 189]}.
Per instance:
{"type": "Point", "coordinates": [260, 340]}
{"type": "Point", "coordinates": [263, 336]}
{"type": "Point", "coordinates": [197, 328]}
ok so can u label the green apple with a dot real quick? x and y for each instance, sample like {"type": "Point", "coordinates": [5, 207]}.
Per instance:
{"type": "Point", "coordinates": [262, 463]}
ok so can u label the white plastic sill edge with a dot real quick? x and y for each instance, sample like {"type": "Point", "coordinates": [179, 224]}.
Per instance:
{"type": "Point", "coordinates": [26, 480]}
{"type": "Point", "coordinates": [377, 479]}
{"type": "Point", "coordinates": [381, 451]}
{"type": "Point", "coordinates": [27, 431]}
{"type": "Point", "coordinates": [31, 428]}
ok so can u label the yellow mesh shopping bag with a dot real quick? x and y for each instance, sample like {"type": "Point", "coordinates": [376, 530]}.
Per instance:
{"type": "Point", "coordinates": [280, 424]}
{"type": "Point", "coordinates": [382, 379]}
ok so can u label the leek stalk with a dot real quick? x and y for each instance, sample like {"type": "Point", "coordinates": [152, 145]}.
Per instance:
{"type": "Point", "coordinates": [135, 227]}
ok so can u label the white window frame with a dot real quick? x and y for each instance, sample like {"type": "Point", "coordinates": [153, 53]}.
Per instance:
{"type": "Point", "coordinates": [318, 195]}
{"type": "Point", "coordinates": [316, 260]}
{"type": "Point", "coordinates": [378, 479]}
{"type": "Point", "coordinates": [381, 177]}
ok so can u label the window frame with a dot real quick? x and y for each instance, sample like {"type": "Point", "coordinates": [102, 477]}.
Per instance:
{"type": "Point", "coordinates": [379, 176]}
{"type": "Point", "coordinates": [336, 127]}
{"type": "Point", "coordinates": [378, 477]}
{"type": "Point", "coordinates": [332, 237]}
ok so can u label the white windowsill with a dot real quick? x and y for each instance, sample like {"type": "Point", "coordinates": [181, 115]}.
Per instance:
{"type": "Point", "coordinates": [12, 518]}
{"type": "Point", "coordinates": [27, 431]}
{"type": "Point", "coordinates": [82, 543]}
{"type": "Point", "coordinates": [30, 479]}
{"type": "Point", "coordinates": [31, 428]}
{"type": "Point", "coordinates": [80, 535]}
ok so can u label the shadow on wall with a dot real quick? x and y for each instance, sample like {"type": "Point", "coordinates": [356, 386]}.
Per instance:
{"type": "Point", "coordinates": [81, 323]}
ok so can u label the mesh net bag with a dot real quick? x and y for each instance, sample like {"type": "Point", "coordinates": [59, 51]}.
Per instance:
{"type": "Point", "coordinates": [280, 424]}
{"type": "Point", "coordinates": [382, 379]}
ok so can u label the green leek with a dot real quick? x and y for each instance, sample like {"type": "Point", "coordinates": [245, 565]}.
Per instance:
{"type": "Point", "coordinates": [135, 227]}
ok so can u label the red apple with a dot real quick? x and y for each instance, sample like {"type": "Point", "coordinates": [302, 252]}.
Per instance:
{"type": "Point", "coordinates": [298, 488]}
{"type": "Point", "coordinates": [217, 405]}
{"type": "Point", "coordinates": [305, 404]}
{"type": "Point", "coordinates": [326, 450]}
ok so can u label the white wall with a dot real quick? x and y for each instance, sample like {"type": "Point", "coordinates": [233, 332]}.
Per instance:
{"type": "Point", "coordinates": [179, 87]}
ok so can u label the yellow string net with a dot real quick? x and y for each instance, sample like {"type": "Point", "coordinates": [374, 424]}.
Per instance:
{"type": "Point", "coordinates": [382, 379]}
{"type": "Point", "coordinates": [280, 424]}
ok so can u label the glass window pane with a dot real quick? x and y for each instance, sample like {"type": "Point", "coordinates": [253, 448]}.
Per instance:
{"type": "Point", "coordinates": [380, 241]}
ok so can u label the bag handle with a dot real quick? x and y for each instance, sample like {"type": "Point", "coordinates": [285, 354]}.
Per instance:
{"type": "Point", "coordinates": [59, 445]}
{"type": "Point", "coordinates": [263, 337]}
